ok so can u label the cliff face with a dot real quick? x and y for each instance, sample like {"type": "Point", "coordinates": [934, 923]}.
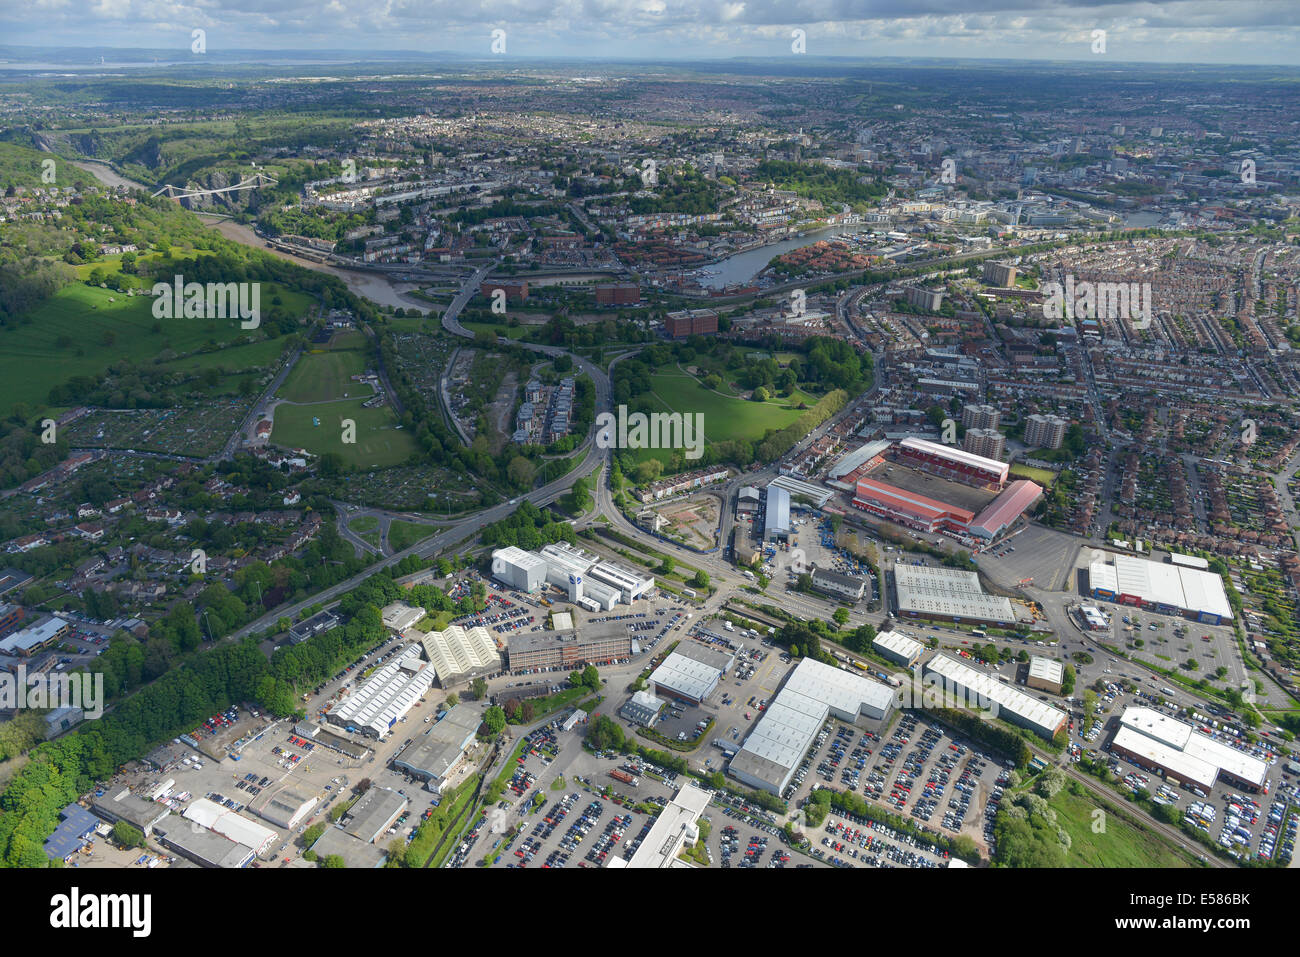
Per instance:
{"type": "Point", "coordinates": [244, 200]}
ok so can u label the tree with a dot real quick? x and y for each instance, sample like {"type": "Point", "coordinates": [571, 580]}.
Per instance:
{"type": "Point", "coordinates": [526, 712]}
{"type": "Point", "coordinates": [478, 688]}
{"type": "Point", "coordinates": [313, 834]}
{"type": "Point", "coordinates": [701, 579]}
{"type": "Point", "coordinates": [333, 861]}
{"type": "Point", "coordinates": [841, 616]}
{"type": "Point", "coordinates": [128, 835]}
{"type": "Point", "coordinates": [591, 677]}
{"type": "Point", "coordinates": [494, 719]}
{"type": "Point", "coordinates": [452, 700]}
{"type": "Point", "coordinates": [605, 734]}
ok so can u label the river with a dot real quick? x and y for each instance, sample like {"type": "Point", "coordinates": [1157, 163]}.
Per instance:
{"type": "Point", "coordinates": [740, 268]}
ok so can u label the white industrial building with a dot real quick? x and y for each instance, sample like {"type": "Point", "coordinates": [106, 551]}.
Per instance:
{"type": "Point", "coordinates": [1168, 589]}
{"type": "Point", "coordinates": [1045, 674]}
{"type": "Point", "coordinates": [457, 653]}
{"type": "Point", "coordinates": [691, 672]}
{"type": "Point", "coordinates": [675, 827]}
{"type": "Point", "coordinates": [631, 585]}
{"type": "Point", "coordinates": [400, 616]}
{"type": "Point", "coordinates": [519, 569]}
{"type": "Point", "coordinates": [961, 685]}
{"type": "Point", "coordinates": [586, 579]}
{"type": "Point", "coordinates": [950, 594]}
{"type": "Point", "coordinates": [287, 807]}
{"type": "Point", "coordinates": [230, 825]}
{"type": "Point", "coordinates": [386, 696]}
{"type": "Point", "coordinates": [1183, 753]}
{"type": "Point", "coordinates": [898, 648]}
{"type": "Point", "coordinates": [813, 691]}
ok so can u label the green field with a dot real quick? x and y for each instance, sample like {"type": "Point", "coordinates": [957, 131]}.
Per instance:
{"type": "Point", "coordinates": [1044, 477]}
{"type": "Point", "coordinates": [402, 535]}
{"type": "Point", "coordinates": [379, 442]}
{"type": "Point", "coordinates": [325, 376]}
{"type": "Point", "coordinates": [724, 418]}
{"type": "Point", "coordinates": [1121, 845]}
{"type": "Point", "coordinates": [44, 351]}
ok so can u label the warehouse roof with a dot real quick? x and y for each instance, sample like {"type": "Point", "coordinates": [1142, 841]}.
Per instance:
{"type": "Point", "coordinates": [457, 651]}
{"type": "Point", "coordinates": [686, 676]}
{"type": "Point", "coordinates": [240, 829]}
{"type": "Point", "coordinates": [987, 688]}
{"type": "Point", "coordinates": [373, 812]}
{"type": "Point", "coordinates": [948, 592]}
{"type": "Point", "coordinates": [1192, 744]}
{"type": "Point", "coordinates": [1046, 669]}
{"type": "Point", "coordinates": [209, 847]}
{"type": "Point", "coordinates": [783, 734]}
{"type": "Point", "coordinates": [75, 825]}
{"type": "Point", "coordinates": [1189, 589]}
{"type": "Point", "coordinates": [899, 644]}
{"type": "Point", "coordinates": [437, 750]}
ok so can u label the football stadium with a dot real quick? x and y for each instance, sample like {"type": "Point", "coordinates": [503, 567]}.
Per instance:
{"type": "Point", "coordinates": [940, 488]}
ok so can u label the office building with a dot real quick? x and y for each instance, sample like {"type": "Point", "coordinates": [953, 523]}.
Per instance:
{"type": "Point", "coordinates": [591, 643]}
{"type": "Point", "coordinates": [674, 827]}
{"type": "Point", "coordinates": [847, 587]}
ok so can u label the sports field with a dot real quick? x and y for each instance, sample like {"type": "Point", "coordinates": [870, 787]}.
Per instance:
{"type": "Point", "coordinates": [379, 442]}
{"type": "Point", "coordinates": [325, 375]}
{"type": "Point", "coordinates": [1044, 477]}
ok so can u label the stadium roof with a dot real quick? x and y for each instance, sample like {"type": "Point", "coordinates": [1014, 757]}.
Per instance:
{"type": "Point", "coordinates": [987, 688]}
{"type": "Point", "coordinates": [911, 503]}
{"type": "Point", "coordinates": [1006, 508]}
{"type": "Point", "coordinates": [956, 454]}
{"type": "Point", "coordinates": [865, 453]}
{"type": "Point", "coordinates": [948, 592]}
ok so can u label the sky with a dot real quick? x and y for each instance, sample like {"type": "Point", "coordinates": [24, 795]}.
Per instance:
{"type": "Point", "coordinates": [1174, 31]}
